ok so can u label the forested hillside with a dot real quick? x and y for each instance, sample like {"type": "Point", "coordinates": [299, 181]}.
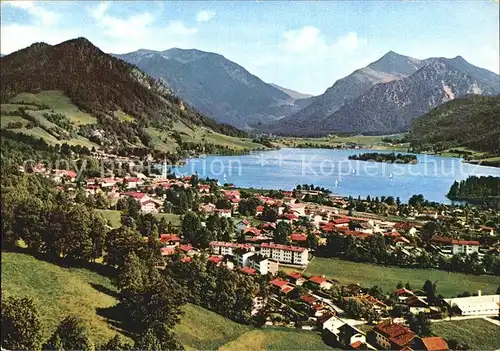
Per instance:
{"type": "Point", "coordinates": [472, 122]}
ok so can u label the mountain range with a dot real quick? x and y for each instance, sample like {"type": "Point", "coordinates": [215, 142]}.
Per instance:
{"type": "Point", "coordinates": [216, 86]}
{"type": "Point", "coordinates": [382, 97]}
{"type": "Point", "coordinates": [104, 87]}
{"type": "Point", "coordinates": [386, 95]}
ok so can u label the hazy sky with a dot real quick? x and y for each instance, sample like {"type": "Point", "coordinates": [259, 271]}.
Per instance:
{"type": "Point", "coordinates": [304, 46]}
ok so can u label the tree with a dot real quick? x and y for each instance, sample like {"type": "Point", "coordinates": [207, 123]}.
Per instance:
{"type": "Point", "coordinates": [312, 241]}
{"type": "Point", "coordinates": [400, 285]}
{"type": "Point", "coordinates": [430, 290]}
{"type": "Point", "coordinates": [282, 232]}
{"type": "Point", "coordinates": [120, 242]}
{"type": "Point", "coordinates": [420, 324]}
{"type": "Point", "coordinates": [116, 343]}
{"type": "Point", "coordinates": [132, 275]}
{"type": "Point", "coordinates": [71, 334]}
{"type": "Point", "coordinates": [269, 213]}
{"type": "Point", "coordinates": [21, 326]}
{"type": "Point", "coordinates": [190, 226]}
{"type": "Point", "coordinates": [157, 338]}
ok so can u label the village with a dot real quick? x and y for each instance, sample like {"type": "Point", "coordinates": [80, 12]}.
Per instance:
{"type": "Point", "coordinates": [276, 234]}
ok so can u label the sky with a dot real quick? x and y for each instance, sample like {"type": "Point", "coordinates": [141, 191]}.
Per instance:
{"type": "Point", "coordinates": [305, 46]}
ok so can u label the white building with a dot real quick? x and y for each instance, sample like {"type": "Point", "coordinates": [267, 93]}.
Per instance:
{"type": "Point", "coordinates": [487, 305]}
{"type": "Point", "coordinates": [260, 263]}
{"type": "Point", "coordinates": [454, 246]}
{"type": "Point", "coordinates": [286, 254]}
{"type": "Point", "coordinates": [226, 248]}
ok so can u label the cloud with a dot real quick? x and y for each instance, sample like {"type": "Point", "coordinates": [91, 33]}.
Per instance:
{"type": "Point", "coordinates": [205, 16]}
{"type": "Point", "coordinates": [39, 13]}
{"type": "Point", "coordinates": [179, 28]}
{"type": "Point", "coordinates": [310, 41]}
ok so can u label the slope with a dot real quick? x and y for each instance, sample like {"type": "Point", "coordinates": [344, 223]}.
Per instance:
{"type": "Point", "coordinates": [215, 85]}
{"type": "Point", "coordinates": [389, 67]}
{"type": "Point", "coordinates": [471, 122]}
{"type": "Point", "coordinates": [102, 86]}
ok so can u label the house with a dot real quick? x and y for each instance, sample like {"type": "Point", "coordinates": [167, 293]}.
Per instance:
{"type": "Point", "coordinates": [455, 246]}
{"type": "Point", "coordinates": [216, 259]}
{"type": "Point", "coordinates": [281, 285]}
{"type": "Point", "coordinates": [222, 212]}
{"type": "Point", "coordinates": [434, 343]}
{"type": "Point", "coordinates": [149, 206]}
{"type": "Point", "coordinates": [228, 248]}
{"type": "Point", "coordinates": [393, 336]}
{"type": "Point", "coordinates": [299, 209]}
{"type": "Point", "coordinates": [417, 304]}
{"type": "Point", "coordinates": [321, 282]}
{"type": "Point", "coordinates": [60, 174]}
{"type": "Point", "coordinates": [259, 210]}
{"type": "Point", "coordinates": [351, 337]}
{"type": "Point", "coordinates": [249, 270]}
{"type": "Point", "coordinates": [403, 294]}
{"type": "Point", "coordinates": [170, 240]}
{"type": "Point", "coordinates": [263, 265]}
{"type": "Point", "coordinates": [242, 225]}
{"type": "Point", "coordinates": [287, 217]}
{"type": "Point", "coordinates": [296, 278]}
{"type": "Point", "coordinates": [204, 188]}
{"type": "Point", "coordinates": [187, 249]}
{"type": "Point", "coordinates": [133, 182]}
{"type": "Point", "coordinates": [258, 303]}
{"type": "Point", "coordinates": [487, 305]}
{"type": "Point", "coordinates": [487, 230]}
{"type": "Point", "coordinates": [298, 238]}
{"type": "Point", "coordinates": [285, 253]}
{"type": "Point", "coordinates": [207, 208]}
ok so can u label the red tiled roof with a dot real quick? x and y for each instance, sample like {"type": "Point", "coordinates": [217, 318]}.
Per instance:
{"type": "Point", "coordinates": [286, 289]}
{"type": "Point", "coordinates": [392, 234]}
{"type": "Point", "coordinates": [278, 282]}
{"type": "Point", "coordinates": [260, 208]}
{"type": "Point", "coordinates": [248, 270]}
{"type": "Point", "coordinates": [446, 240]}
{"type": "Point", "coordinates": [252, 230]}
{"type": "Point", "coordinates": [403, 291]}
{"type": "Point", "coordinates": [165, 238]}
{"type": "Point", "coordinates": [186, 259]}
{"type": "Point", "coordinates": [295, 275]}
{"type": "Point", "coordinates": [69, 173]}
{"type": "Point", "coordinates": [166, 251]}
{"type": "Point", "coordinates": [282, 247]}
{"type": "Point", "coordinates": [288, 216]}
{"type": "Point", "coordinates": [215, 259]}
{"type": "Point", "coordinates": [396, 333]}
{"type": "Point", "coordinates": [135, 194]}
{"type": "Point", "coordinates": [317, 280]}
{"type": "Point", "coordinates": [435, 343]}
{"type": "Point", "coordinates": [341, 221]}
{"type": "Point", "coordinates": [185, 247]}
{"type": "Point", "coordinates": [356, 345]}
{"type": "Point", "coordinates": [309, 299]}
{"type": "Point", "coordinates": [132, 180]}
{"type": "Point", "coordinates": [298, 237]}
{"type": "Point", "coordinates": [228, 244]}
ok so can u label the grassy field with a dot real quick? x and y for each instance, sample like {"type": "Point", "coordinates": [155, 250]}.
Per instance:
{"type": "Point", "coordinates": [164, 141]}
{"type": "Point", "coordinates": [4, 120]}
{"type": "Point", "coordinates": [112, 216]}
{"type": "Point", "coordinates": [59, 102]}
{"type": "Point", "coordinates": [477, 333]}
{"type": "Point", "coordinates": [59, 292]}
{"type": "Point", "coordinates": [366, 141]}
{"type": "Point", "coordinates": [277, 339]}
{"type": "Point", "coordinates": [173, 218]}
{"type": "Point", "coordinates": [448, 284]}
{"type": "Point", "coordinates": [201, 329]}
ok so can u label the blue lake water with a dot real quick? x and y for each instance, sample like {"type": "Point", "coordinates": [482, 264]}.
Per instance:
{"type": "Point", "coordinates": [285, 168]}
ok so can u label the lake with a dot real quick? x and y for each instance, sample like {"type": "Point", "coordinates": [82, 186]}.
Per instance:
{"type": "Point", "coordinates": [285, 168]}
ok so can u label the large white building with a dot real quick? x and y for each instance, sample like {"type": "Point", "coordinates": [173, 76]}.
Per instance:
{"type": "Point", "coordinates": [286, 254]}
{"type": "Point", "coordinates": [227, 248]}
{"type": "Point", "coordinates": [487, 305]}
{"type": "Point", "coordinates": [454, 246]}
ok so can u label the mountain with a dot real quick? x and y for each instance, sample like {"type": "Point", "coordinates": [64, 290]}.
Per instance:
{"type": "Point", "coordinates": [390, 67]}
{"type": "Point", "coordinates": [470, 122]}
{"type": "Point", "coordinates": [294, 94]}
{"type": "Point", "coordinates": [215, 85]}
{"type": "Point", "coordinates": [102, 86]}
{"type": "Point", "coordinates": [394, 97]}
